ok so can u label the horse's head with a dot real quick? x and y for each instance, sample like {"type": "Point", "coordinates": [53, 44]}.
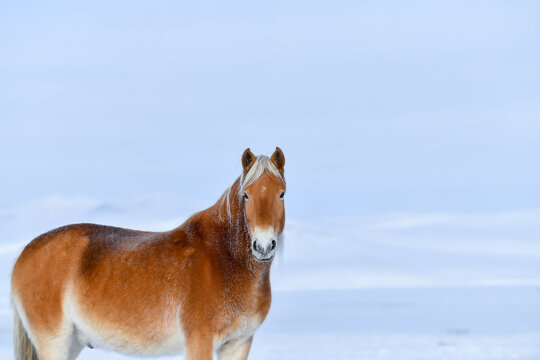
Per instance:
{"type": "Point", "coordinates": [262, 192]}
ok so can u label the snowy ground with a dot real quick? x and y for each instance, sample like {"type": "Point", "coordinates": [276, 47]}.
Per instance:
{"type": "Point", "coordinates": [390, 286]}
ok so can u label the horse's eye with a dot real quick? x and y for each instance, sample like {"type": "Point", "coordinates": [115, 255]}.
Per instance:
{"type": "Point", "coordinates": [245, 196]}
{"type": "Point", "coordinates": [282, 195]}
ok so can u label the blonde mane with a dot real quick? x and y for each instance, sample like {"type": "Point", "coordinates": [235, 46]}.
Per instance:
{"type": "Point", "coordinates": [261, 164]}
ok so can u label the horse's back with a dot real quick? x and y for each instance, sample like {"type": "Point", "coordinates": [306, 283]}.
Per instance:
{"type": "Point", "coordinates": [53, 257]}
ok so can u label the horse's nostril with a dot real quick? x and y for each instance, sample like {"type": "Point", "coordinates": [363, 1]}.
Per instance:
{"type": "Point", "coordinates": [255, 245]}
{"type": "Point", "coordinates": [273, 245]}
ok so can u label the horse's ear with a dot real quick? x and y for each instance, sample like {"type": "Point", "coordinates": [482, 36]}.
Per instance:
{"type": "Point", "coordinates": [247, 160]}
{"type": "Point", "coordinates": [278, 159]}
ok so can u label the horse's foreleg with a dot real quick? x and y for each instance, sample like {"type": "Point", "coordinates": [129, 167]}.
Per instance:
{"type": "Point", "coordinates": [235, 350]}
{"type": "Point", "coordinates": [199, 347]}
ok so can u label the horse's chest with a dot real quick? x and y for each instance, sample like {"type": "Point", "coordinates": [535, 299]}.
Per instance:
{"type": "Point", "coordinates": [241, 328]}
{"type": "Point", "coordinates": [244, 320]}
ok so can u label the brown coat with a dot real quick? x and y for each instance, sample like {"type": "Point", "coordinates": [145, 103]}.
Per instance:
{"type": "Point", "coordinates": [197, 288]}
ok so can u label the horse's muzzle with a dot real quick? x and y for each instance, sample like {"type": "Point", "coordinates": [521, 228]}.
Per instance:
{"type": "Point", "coordinates": [264, 252]}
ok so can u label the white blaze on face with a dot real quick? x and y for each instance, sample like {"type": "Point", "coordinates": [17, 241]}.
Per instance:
{"type": "Point", "coordinates": [263, 239]}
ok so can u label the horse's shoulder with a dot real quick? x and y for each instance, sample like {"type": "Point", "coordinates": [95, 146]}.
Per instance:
{"type": "Point", "coordinates": [197, 229]}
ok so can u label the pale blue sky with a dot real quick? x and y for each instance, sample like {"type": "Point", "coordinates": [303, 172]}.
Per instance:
{"type": "Point", "coordinates": [378, 106]}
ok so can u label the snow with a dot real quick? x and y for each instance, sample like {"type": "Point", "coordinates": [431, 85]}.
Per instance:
{"type": "Point", "coordinates": [387, 286]}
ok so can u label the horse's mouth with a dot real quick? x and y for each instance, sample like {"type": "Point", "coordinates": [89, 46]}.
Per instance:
{"type": "Point", "coordinates": [268, 259]}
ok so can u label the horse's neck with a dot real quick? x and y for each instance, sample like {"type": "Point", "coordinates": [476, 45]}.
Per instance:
{"type": "Point", "coordinates": [227, 235]}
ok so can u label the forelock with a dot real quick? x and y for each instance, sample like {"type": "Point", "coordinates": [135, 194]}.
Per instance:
{"type": "Point", "coordinates": [262, 164]}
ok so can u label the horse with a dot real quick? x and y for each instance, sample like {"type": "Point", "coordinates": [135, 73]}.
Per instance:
{"type": "Point", "coordinates": [199, 289]}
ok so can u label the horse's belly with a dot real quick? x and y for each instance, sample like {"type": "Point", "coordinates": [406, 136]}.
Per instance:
{"type": "Point", "coordinates": [160, 335]}
{"type": "Point", "coordinates": [123, 343]}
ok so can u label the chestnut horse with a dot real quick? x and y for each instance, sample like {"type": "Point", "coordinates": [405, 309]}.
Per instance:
{"type": "Point", "coordinates": [201, 288]}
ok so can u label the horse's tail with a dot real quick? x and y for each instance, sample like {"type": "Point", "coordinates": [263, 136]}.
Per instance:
{"type": "Point", "coordinates": [24, 350]}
